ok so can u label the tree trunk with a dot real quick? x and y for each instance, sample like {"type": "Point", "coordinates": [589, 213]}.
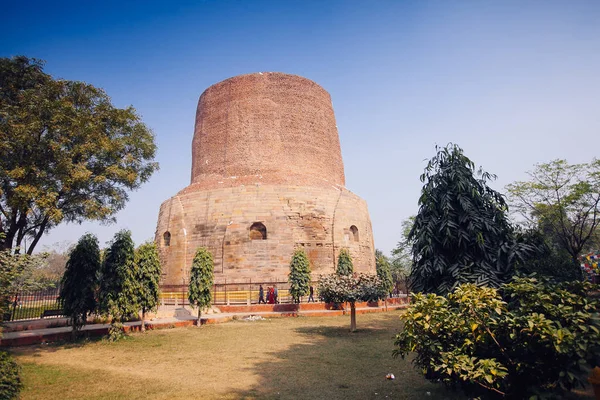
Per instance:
{"type": "Point", "coordinates": [352, 317]}
{"type": "Point", "coordinates": [38, 235]}
{"type": "Point", "coordinates": [143, 327]}
{"type": "Point", "coordinates": [198, 322]}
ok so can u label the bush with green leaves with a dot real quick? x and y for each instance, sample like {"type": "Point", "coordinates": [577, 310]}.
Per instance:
{"type": "Point", "coordinates": [10, 377]}
{"type": "Point", "coordinates": [299, 276]}
{"type": "Point", "coordinates": [536, 340]}
{"type": "Point", "coordinates": [354, 288]}
{"type": "Point", "coordinates": [201, 280]}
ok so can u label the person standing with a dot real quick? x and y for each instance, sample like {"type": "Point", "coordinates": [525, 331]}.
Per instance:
{"type": "Point", "coordinates": [311, 292]}
{"type": "Point", "coordinates": [275, 295]}
{"type": "Point", "coordinates": [261, 295]}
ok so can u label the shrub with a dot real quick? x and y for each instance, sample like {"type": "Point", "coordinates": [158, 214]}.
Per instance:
{"type": "Point", "coordinates": [10, 380]}
{"type": "Point", "coordinates": [541, 339]}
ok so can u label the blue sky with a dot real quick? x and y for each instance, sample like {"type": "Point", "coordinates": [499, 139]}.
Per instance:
{"type": "Point", "coordinates": [514, 83]}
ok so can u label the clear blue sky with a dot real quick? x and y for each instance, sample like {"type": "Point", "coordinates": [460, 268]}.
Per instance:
{"type": "Point", "coordinates": [514, 83]}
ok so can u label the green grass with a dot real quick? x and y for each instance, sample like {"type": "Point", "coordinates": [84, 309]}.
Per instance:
{"type": "Point", "coordinates": [286, 358]}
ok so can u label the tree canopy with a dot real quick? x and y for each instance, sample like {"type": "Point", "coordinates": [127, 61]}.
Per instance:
{"type": "Point", "coordinates": [562, 201]}
{"type": "Point", "coordinates": [299, 276]}
{"type": "Point", "coordinates": [67, 154]}
{"type": "Point", "coordinates": [336, 288]}
{"type": "Point", "coordinates": [461, 233]}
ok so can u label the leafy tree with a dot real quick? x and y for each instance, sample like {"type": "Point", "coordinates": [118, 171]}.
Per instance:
{"type": "Point", "coordinates": [299, 276]}
{"type": "Point", "coordinates": [401, 260]}
{"type": "Point", "coordinates": [148, 267]}
{"type": "Point", "coordinates": [344, 265]}
{"type": "Point", "coordinates": [201, 281]}
{"type": "Point", "coordinates": [66, 153]}
{"type": "Point", "coordinates": [562, 201]}
{"type": "Point", "coordinates": [461, 233]}
{"type": "Point", "coordinates": [10, 377]}
{"type": "Point", "coordinates": [384, 272]}
{"type": "Point", "coordinates": [337, 288]}
{"type": "Point", "coordinates": [549, 259]}
{"type": "Point", "coordinates": [537, 341]}
{"type": "Point", "coordinates": [119, 285]}
{"type": "Point", "coordinates": [16, 274]}
{"type": "Point", "coordinates": [79, 283]}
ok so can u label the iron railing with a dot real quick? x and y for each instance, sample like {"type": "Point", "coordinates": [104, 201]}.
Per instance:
{"type": "Point", "coordinates": [33, 304]}
{"type": "Point", "coordinates": [45, 303]}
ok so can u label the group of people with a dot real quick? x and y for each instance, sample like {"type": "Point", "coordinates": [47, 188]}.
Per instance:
{"type": "Point", "coordinates": [272, 296]}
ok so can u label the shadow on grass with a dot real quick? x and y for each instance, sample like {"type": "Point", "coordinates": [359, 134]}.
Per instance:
{"type": "Point", "coordinates": [333, 363]}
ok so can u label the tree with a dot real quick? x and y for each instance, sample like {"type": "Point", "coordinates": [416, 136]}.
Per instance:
{"type": "Point", "coordinates": [201, 281]}
{"type": "Point", "coordinates": [148, 268]}
{"type": "Point", "coordinates": [79, 283]}
{"type": "Point", "coordinates": [384, 272]}
{"type": "Point", "coordinates": [16, 274]}
{"type": "Point", "coordinates": [119, 286]}
{"type": "Point", "coordinates": [299, 276]}
{"type": "Point", "coordinates": [401, 260]}
{"type": "Point", "coordinates": [461, 233]}
{"type": "Point", "coordinates": [344, 265]}
{"type": "Point", "coordinates": [336, 288]}
{"type": "Point", "coordinates": [562, 201]}
{"type": "Point", "coordinates": [66, 153]}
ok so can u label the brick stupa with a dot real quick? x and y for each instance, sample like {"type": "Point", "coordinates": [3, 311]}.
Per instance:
{"type": "Point", "coordinates": [267, 177]}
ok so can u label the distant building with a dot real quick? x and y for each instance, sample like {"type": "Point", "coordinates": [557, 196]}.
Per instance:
{"type": "Point", "coordinates": [267, 177]}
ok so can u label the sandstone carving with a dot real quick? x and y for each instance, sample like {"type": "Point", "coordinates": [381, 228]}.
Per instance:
{"type": "Point", "coordinates": [267, 177]}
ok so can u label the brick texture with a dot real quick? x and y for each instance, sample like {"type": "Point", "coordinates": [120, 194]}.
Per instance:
{"type": "Point", "coordinates": [267, 177]}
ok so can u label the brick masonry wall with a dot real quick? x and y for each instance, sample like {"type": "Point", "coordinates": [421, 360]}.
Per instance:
{"type": "Point", "coordinates": [314, 218]}
{"type": "Point", "coordinates": [267, 128]}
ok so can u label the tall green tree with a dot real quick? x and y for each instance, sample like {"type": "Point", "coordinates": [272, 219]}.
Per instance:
{"type": "Point", "coordinates": [148, 267]}
{"type": "Point", "coordinates": [66, 153]}
{"type": "Point", "coordinates": [336, 288]}
{"type": "Point", "coordinates": [562, 201]}
{"type": "Point", "coordinates": [344, 264]}
{"type": "Point", "coordinates": [79, 283]}
{"type": "Point", "coordinates": [201, 281]}
{"type": "Point", "coordinates": [119, 285]}
{"type": "Point", "coordinates": [461, 233]}
{"type": "Point", "coordinates": [299, 276]}
{"type": "Point", "coordinates": [384, 273]}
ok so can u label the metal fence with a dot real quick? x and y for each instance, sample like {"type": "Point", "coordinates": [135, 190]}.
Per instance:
{"type": "Point", "coordinates": [45, 303]}
{"type": "Point", "coordinates": [233, 292]}
{"type": "Point", "coordinates": [34, 304]}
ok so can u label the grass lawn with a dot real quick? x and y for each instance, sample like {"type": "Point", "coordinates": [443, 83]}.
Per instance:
{"type": "Point", "coordinates": [283, 358]}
